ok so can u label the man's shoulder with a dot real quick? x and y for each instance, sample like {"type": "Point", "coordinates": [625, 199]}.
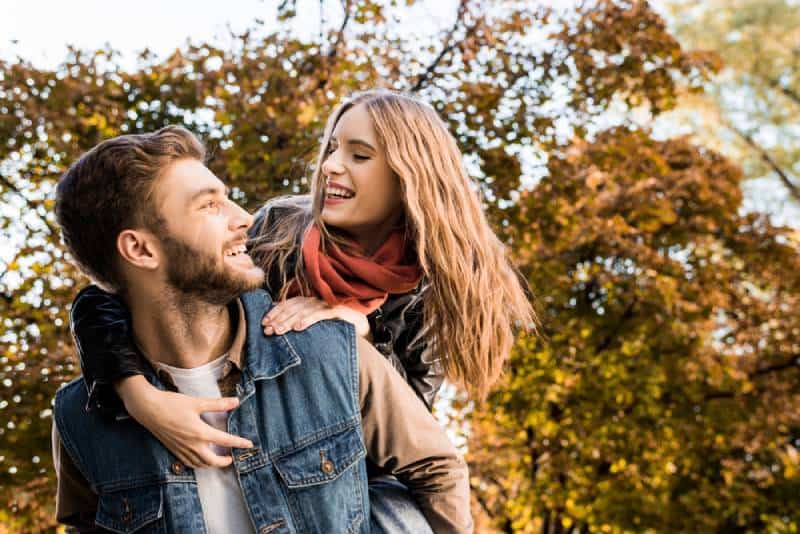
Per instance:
{"type": "Point", "coordinates": [317, 342]}
{"type": "Point", "coordinates": [72, 389]}
{"type": "Point", "coordinates": [255, 301]}
{"type": "Point", "coordinates": [71, 399]}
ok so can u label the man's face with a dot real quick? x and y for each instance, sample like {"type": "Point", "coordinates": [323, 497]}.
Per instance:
{"type": "Point", "coordinates": [204, 235]}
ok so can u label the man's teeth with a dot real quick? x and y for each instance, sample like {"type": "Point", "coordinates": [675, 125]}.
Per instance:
{"type": "Point", "coordinates": [235, 251]}
{"type": "Point", "coordinates": [338, 192]}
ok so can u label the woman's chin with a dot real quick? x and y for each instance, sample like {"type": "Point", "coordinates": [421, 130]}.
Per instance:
{"type": "Point", "coordinates": [331, 216]}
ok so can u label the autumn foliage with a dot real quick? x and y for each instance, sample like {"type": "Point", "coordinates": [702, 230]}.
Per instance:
{"type": "Point", "coordinates": [662, 392]}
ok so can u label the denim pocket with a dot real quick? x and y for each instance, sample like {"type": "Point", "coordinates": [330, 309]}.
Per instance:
{"type": "Point", "coordinates": [131, 509]}
{"type": "Point", "coordinates": [326, 483]}
{"type": "Point", "coordinates": [322, 461]}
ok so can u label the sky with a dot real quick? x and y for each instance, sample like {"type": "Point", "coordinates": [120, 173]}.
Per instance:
{"type": "Point", "coordinates": [40, 30]}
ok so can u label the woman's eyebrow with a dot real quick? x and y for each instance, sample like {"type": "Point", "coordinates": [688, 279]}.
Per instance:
{"type": "Point", "coordinates": [361, 142]}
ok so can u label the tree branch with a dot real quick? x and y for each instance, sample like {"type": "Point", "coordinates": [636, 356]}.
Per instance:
{"type": "Point", "coordinates": [792, 95]}
{"type": "Point", "coordinates": [449, 45]}
{"type": "Point", "coordinates": [346, 5]}
{"type": "Point", "coordinates": [792, 362]}
{"type": "Point", "coordinates": [14, 189]}
{"type": "Point", "coordinates": [627, 314]}
{"type": "Point", "coordinates": [794, 189]}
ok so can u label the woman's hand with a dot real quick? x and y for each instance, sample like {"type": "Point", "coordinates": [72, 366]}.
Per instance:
{"type": "Point", "coordinates": [298, 313]}
{"type": "Point", "coordinates": [174, 420]}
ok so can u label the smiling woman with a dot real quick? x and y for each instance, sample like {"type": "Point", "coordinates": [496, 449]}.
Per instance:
{"type": "Point", "coordinates": [363, 196]}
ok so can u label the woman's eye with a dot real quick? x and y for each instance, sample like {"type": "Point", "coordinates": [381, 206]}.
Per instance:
{"type": "Point", "coordinates": [211, 204]}
{"type": "Point", "coordinates": [359, 157]}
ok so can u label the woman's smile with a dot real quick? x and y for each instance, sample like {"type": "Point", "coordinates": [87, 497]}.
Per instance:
{"type": "Point", "coordinates": [336, 193]}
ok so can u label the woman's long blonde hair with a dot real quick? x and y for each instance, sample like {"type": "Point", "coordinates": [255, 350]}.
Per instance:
{"type": "Point", "coordinates": [475, 299]}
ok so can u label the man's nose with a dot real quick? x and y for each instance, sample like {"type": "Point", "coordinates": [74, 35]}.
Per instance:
{"type": "Point", "coordinates": [240, 219]}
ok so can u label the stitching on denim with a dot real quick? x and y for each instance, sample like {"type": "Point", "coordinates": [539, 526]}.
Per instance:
{"type": "Point", "coordinates": [142, 519]}
{"type": "Point", "coordinates": [356, 523]}
{"type": "Point", "coordinates": [343, 466]}
{"type": "Point", "coordinates": [328, 431]}
{"type": "Point", "coordinates": [274, 526]}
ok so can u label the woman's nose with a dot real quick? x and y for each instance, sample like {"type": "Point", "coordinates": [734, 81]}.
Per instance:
{"type": "Point", "coordinates": [332, 166]}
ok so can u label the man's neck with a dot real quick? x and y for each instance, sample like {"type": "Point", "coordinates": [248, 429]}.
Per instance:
{"type": "Point", "coordinates": [180, 331]}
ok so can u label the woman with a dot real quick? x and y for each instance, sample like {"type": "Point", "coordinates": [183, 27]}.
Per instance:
{"type": "Point", "coordinates": [391, 238]}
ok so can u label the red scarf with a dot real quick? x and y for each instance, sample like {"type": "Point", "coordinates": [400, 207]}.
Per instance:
{"type": "Point", "coordinates": [359, 282]}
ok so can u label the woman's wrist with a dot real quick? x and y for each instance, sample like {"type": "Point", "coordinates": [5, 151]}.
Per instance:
{"type": "Point", "coordinates": [133, 390]}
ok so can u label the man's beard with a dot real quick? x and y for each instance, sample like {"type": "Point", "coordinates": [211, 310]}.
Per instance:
{"type": "Point", "coordinates": [196, 273]}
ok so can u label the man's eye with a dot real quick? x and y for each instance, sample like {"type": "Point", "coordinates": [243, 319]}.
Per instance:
{"type": "Point", "coordinates": [211, 204]}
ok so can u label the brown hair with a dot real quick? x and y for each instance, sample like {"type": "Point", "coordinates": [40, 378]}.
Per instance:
{"type": "Point", "coordinates": [475, 298]}
{"type": "Point", "coordinates": [109, 189]}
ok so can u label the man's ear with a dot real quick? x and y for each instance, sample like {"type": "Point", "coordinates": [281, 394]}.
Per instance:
{"type": "Point", "coordinates": [139, 248]}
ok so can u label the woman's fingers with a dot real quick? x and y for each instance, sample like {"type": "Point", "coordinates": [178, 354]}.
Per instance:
{"type": "Point", "coordinates": [224, 404]}
{"type": "Point", "coordinates": [290, 321]}
{"type": "Point", "coordinates": [223, 439]}
{"type": "Point", "coordinates": [211, 459]}
{"type": "Point", "coordinates": [301, 307]}
{"type": "Point", "coordinates": [301, 322]}
{"type": "Point", "coordinates": [283, 308]}
{"type": "Point", "coordinates": [185, 455]}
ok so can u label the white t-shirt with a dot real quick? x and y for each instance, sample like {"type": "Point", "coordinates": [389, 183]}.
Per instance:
{"type": "Point", "coordinates": [224, 508]}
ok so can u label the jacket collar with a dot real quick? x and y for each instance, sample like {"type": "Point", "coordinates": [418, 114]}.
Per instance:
{"type": "Point", "coordinates": [264, 356]}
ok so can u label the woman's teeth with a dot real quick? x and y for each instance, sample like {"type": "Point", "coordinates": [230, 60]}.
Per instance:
{"type": "Point", "coordinates": [340, 193]}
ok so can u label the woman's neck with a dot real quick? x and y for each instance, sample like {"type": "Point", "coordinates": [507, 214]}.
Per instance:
{"type": "Point", "coordinates": [370, 239]}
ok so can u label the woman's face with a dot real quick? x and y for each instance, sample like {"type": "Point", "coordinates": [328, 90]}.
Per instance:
{"type": "Point", "coordinates": [362, 196]}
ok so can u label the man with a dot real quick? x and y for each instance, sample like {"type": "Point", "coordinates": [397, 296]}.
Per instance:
{"type": "Point", "coordinates": [143, 217]}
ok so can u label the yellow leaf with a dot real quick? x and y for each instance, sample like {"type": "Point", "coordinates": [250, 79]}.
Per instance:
{"type": "Point", "coordinates": [306, 115]}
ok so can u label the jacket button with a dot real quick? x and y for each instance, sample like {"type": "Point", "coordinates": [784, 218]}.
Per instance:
{"type": "Point", "coordinates": [177, 468]}
{"type": "Point", "coordinates": [327, 467]}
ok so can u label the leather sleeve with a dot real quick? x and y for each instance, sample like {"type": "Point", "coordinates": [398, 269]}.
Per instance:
{"type": "Point", "coordinates": [397, 333]}
{"type": "Point", "coordinates": [101, 327]}
{"type": "Point", "coordinates": [403, 439]}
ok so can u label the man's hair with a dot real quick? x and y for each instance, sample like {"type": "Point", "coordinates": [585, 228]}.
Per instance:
{"type": "Point", "coordinates": [109, 189]}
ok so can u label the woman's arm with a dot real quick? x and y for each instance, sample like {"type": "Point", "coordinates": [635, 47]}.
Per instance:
{"type": "Point", "coordinates": [101, 327]}
{"type": "Point", "coordinates": [180, 428]}
{"type": "Point", "coordinates": [398, 333]}
{"type": "Point", "coordinates": [111, 364]}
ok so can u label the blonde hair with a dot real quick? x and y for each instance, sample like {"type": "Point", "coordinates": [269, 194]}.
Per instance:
{"type": "Point", "coordinates": [475, 299]}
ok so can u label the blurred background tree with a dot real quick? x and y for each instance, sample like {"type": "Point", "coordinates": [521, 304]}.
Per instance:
{"type": "Point", "coordinates": [751, 109]}
{"type": "Point", "coordinates": [663, 394]}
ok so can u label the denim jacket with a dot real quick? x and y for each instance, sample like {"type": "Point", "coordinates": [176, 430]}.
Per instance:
{"type": "Point", "coordinates": [306, 472]}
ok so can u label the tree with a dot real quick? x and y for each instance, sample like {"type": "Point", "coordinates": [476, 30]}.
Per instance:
{"type": "Point", "coordinates": [664, 396]}
{"type": "Point", "coordinates": [751, 108]}
{"type": "Point", "coordinates": [514, 103]}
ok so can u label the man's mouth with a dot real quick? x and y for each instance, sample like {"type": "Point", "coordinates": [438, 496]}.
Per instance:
{"type": "Point", "coordinates": [236, 250]}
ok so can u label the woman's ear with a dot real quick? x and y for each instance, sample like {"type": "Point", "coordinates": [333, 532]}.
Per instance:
{"type": "Point", "coordinates": [138, 248]}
